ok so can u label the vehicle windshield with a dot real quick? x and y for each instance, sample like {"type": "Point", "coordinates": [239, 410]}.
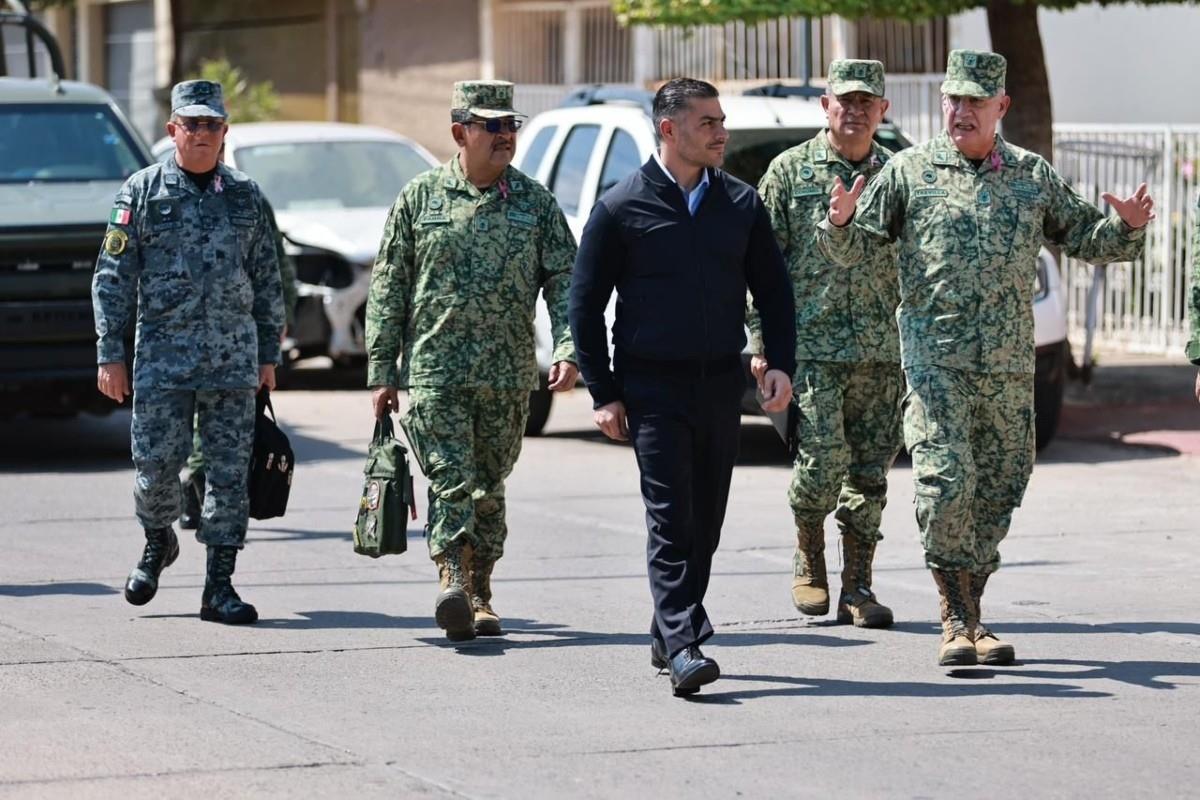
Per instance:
{"type": "Point", "coordinates": [316, 176]}
{"type": "Point", "coordinates": [57, 142]}
{"type": "Point", "coordinates": [750, 151]}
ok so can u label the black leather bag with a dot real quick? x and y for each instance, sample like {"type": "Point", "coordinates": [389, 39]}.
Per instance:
{"type": "Point", "coordinates": [271, 463]}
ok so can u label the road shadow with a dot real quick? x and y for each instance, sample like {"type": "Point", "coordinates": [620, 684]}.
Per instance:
{"type": "Point", "coordinates": [557, 637]}
{"type": "Point", "coordinates": [1147, 674]}
{"type": "Point", "coordinates": [86, 443]}
{"type": "Point", "coordinates": [47, 589]}
{"type": "Point", "coordinates": [788, 686]}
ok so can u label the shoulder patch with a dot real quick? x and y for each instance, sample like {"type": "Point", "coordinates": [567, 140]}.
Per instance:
{"type": "Point", "coordinates": [119, 216]}
{"type": "Point", "coordinates": [115, 242]}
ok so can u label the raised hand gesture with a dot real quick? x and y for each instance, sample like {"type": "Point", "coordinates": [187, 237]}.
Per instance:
{"type": "Point", "coordinates": [842, 200]}
{"type": "Point", "coordinates": [1136, 211]}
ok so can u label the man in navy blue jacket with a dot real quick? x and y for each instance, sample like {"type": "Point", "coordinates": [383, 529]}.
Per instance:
{"type": "Point", "coordinates": [680, 241]}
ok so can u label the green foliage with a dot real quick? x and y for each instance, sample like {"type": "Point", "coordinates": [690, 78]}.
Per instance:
{"type": "Point", "coordinates": [709, 12]}
{"type": "Point", "coordinates": [245, 101]}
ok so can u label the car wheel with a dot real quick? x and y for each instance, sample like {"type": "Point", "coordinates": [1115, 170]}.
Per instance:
{"type": "Point", "coordinates": [1048, 386]}
{"type": "Point", "coordinates": [540, 400]}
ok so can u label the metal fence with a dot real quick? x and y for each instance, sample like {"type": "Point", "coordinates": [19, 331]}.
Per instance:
{"type": "Point", "coordinates": [1143, 304]}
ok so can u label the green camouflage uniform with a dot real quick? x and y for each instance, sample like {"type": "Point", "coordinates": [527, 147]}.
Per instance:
{"type": "Point", "coordinates": [454, 288]}
{"type": "Point", "coordinates": [848, 381]}
{"type": "Point", "coordinates": [968, 239]}
{"type": "Point", "coordinates": [1193, 345]}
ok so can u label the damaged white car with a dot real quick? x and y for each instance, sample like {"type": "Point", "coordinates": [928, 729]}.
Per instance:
{"type": "Point", "coordinates": [331, 185]}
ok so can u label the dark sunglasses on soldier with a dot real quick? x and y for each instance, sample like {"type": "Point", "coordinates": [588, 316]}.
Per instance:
{"type": "Point", "coordinates": [193, 124]}
{"type": "Point", "coordinates": [510, 124]}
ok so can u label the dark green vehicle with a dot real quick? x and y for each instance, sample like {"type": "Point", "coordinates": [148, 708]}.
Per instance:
{"type": "Point", "coordinates": [65, 150]}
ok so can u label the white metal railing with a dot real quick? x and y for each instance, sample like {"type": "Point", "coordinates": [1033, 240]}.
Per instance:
{"type": "Point", "coordinates": [1143, 305]}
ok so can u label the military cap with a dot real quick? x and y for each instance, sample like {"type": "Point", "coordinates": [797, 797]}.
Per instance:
{"type": "Point", "coordinates": [848, 75]}
{"type": "Point", "coordinates": [198, 99]}
{"type": "Point", "coordinates": [974, 73]}
{"type": "Point", "coordinates": [484, 99]}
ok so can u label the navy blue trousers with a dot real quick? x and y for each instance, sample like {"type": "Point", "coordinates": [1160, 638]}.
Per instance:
{"type": "Point", "coordinates": [685, 432]}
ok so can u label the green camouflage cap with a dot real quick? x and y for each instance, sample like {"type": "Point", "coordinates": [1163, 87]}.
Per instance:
{"type": "Point", "coordinates": [974, 73]}
{"type": "Point", "coordinates": [484, 99]}
{"type": "Point", "coordinates": [198, 99]}
{"type": "Point", "coordinates": [848, 75]}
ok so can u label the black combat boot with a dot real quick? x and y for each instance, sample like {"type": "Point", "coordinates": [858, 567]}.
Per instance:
{"type": "Point", "coordinates": [220, 602]}
{"type": "Point", "coordinates": [193, 500]}
{"type": "Point", "coordinates": [162, 548]}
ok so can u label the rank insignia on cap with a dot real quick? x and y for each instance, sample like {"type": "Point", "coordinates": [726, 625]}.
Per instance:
{"type": "Point", "coordinates": [929, 176]}
{"type": "Point", "coordinates": [860, 71]}
{"type": "Point", "coordinates": [806, 172]}
{"type": "Point", "coordinates": [119, 216]}
{"type": "Point", "coordinates": [970, 60]}
{"type": "Point", "coordinates": [115, 241]}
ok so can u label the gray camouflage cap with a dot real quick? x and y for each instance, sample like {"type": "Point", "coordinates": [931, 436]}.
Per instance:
{"type": "Point", "coordinates": [484, 99]}
{"type": "Point", "coordinates": [198, 99]}
{"type": "Point", "coordinates": [974, 73]}
{"type": "Point", "coordinates": [848, 75]}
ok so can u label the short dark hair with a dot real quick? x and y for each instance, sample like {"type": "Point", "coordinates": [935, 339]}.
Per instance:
{"type": "Point", "coordinates": [674, 96]}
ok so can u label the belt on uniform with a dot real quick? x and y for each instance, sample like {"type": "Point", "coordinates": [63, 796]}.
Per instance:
{"type": "Point", "coordinates": [698, 368]}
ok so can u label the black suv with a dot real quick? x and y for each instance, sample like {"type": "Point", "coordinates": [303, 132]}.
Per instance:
{"type": "Point", "coordinates": [65, 150]}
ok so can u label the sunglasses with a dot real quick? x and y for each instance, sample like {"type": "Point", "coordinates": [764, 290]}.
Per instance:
{"type": "Point", "coordinates": [191, 124]}
{"type": "Point", "coordinates": [510, 124]}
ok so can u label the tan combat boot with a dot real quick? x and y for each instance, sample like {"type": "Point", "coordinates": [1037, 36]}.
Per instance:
{"type": "Point", "coordinates": [988, 648]}
{"type": "Point", "coordinates": [856, 602]}
{"type": "Point", "coordinates": [810, 586]}
{"type": "Point", "coordinates": [453, 610]}
{"type": "Point", "coordinates": [487, 621]}
{"type": "Point", "coordinates": [954, 588]}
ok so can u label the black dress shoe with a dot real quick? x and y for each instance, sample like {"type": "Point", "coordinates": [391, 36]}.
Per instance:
{"type": "Point", "coordinates": [690, 670]}
{"type": "Point", "coordinates": [658, 653]}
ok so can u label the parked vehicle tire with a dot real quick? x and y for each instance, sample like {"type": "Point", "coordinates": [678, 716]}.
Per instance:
{"type": "Point", "coordinates": [1048, 386]}
{"type": "Point", "coordinates": [540, 400]}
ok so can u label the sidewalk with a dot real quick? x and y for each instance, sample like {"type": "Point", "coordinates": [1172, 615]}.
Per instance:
{"type": "Point", "coordinates": [1147, 401]}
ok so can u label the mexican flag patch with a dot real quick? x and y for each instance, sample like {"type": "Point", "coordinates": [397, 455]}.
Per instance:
{"type": "Point", "coordinates": [119, 216]}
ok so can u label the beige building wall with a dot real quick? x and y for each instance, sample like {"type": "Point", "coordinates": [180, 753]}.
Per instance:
{"type": "Point", "coordinates": [412, 52]}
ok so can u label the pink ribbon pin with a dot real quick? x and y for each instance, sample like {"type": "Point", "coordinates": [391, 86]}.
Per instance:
{"type": "Point", "coordinates": [997, 162]}
{"type": "Point", "coordinates": [503, 187]}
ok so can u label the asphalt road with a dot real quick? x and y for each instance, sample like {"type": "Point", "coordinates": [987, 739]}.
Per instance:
{"type": "Point", "coordinates": [345, 685]}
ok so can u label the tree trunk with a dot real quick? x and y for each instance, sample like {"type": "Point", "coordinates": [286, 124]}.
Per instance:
{"type": "Point", "coordinates": [1015, 35]}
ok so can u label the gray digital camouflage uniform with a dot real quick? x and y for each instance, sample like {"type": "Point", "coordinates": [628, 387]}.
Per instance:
{"type": "Point", "coordinates": [454, 292]}
{"type": "Point", "coordinates": [197, 271]}
{"type": "Point", "coordinates": [968, 239]}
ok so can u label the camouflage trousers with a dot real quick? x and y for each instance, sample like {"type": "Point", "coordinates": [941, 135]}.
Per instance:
{"type": "Point", "coordinates": [466, 442]}
{"type": "Point", "coordinates": [848, 429]}
{"type": "Point", "coordinates": [971, 437]}
{"type": "Point", "coordinates": [162, 439]}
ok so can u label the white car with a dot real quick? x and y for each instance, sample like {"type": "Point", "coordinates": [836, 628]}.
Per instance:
{"type": "Point", "coordinates": [600, 134]}
{"type": "Point", "coordinates": [331, 185]}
